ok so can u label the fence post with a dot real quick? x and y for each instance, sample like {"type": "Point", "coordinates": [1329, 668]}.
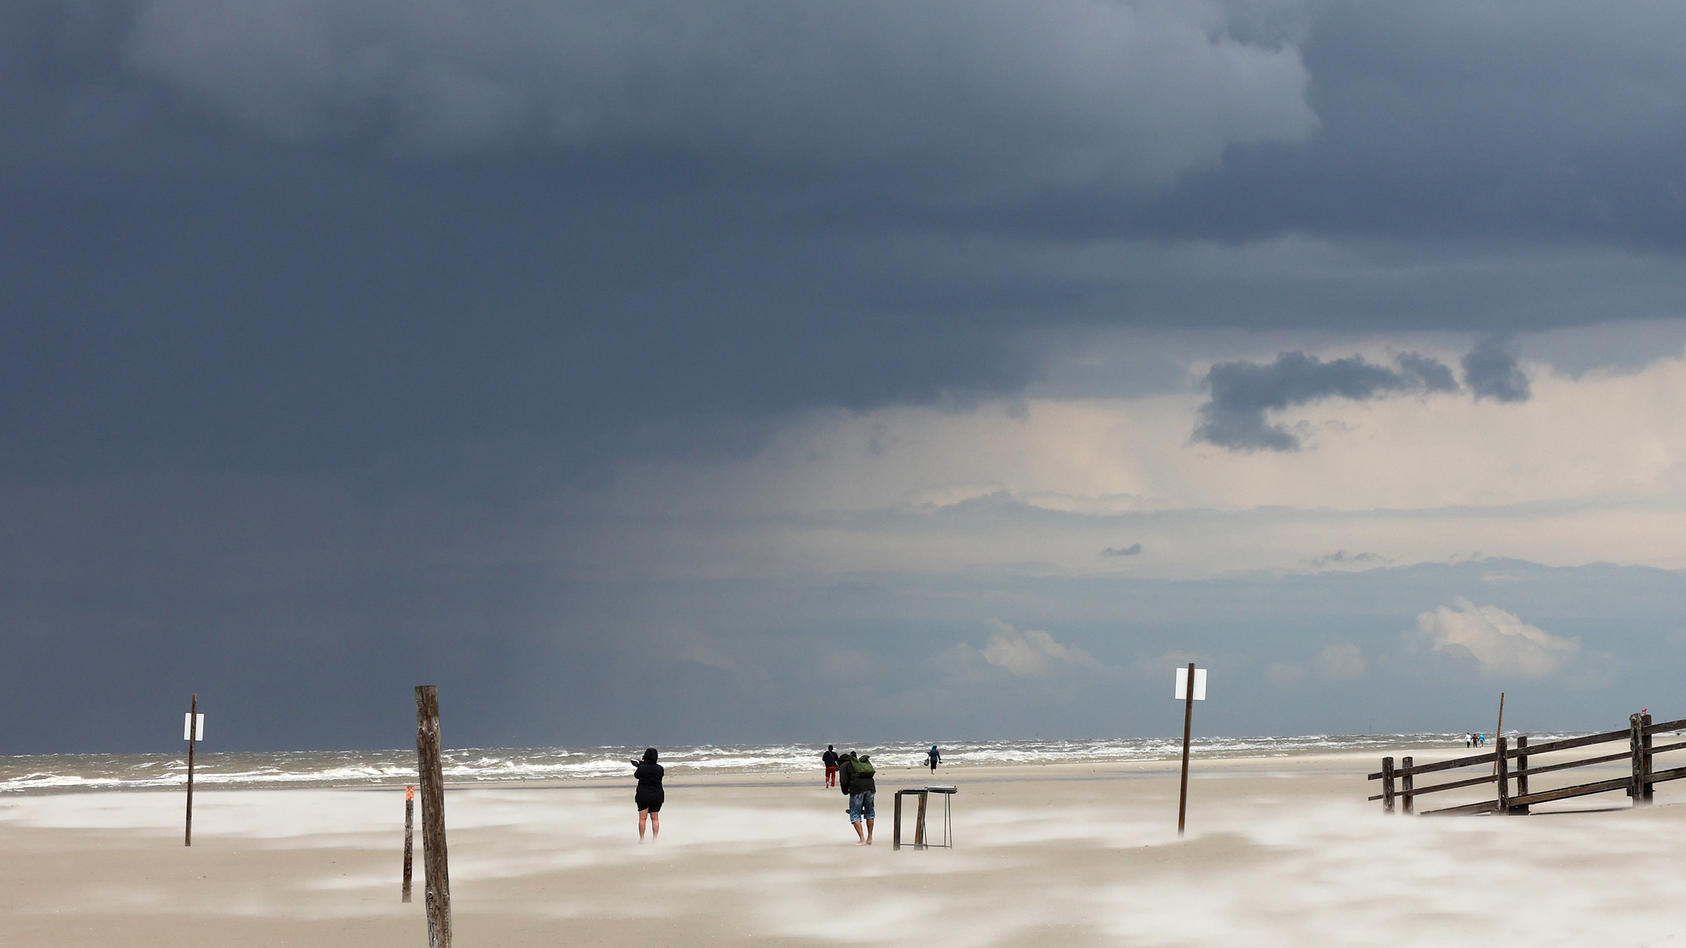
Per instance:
{"type": "Point", "coordinates": [1405, 785]}
{"type": "Point", "coordinates": [1645, 739]}
{"type": "Point", "coordinates": [1501, 767]}
{"type": "Point", "coordinates": [1640, 791]}
{"type": "Point", "coordinates": [1387, 784]}
{"type": "Point", "coordinates": [1521, 774]}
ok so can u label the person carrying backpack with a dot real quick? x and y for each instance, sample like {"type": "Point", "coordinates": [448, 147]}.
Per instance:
{"type": "Point", "coordinates": [857, 772]}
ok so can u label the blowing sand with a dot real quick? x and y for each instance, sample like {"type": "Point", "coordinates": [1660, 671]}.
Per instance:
{"type": "Point", "coordinates": [1279, 851]}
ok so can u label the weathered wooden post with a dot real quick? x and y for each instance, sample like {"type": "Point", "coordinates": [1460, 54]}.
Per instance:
{"type": "Point", "coordinates": [1500, 730]}
{"type": "Point", "coordinates": [433, 817]}
{"type": "Point", "coordinates": [1640, 790]}
{"type": "Point", "coordinates": [1521, 774]}
{"type": "Point", "coordinates": [193, 732]}
{"type": "Point", "coordinates": [1387, 784]}
{"type": "Point", "coordinates": [1405, 782]}
{"type": "Point", "coordinates": [1501, 767]}
{"type": "Point", "coordinates": [1645, 741]}
{"type": "Point", "coordinates": [409, 829]}
{"type": "Point", "coordinates": [919, 823]}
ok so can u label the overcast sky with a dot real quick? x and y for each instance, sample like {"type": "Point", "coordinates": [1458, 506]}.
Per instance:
{"type": "Point", "coordinates": [672, 371]}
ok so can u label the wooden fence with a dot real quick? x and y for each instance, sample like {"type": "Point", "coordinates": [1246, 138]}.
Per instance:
{"type": "Point", "coordinates": [1512, 764]}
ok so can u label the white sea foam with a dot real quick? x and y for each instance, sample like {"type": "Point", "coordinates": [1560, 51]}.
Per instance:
{"type": "Point", "coordinates": [83, 772]}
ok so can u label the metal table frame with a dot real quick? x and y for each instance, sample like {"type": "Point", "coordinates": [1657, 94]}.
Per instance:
{"type": "Point", "coordinates": [919, 835]}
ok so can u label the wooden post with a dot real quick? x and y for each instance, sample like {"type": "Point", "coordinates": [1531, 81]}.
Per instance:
{"type": "Point", "coordinates": [1188, 726]}
{"type": "Point", "coordinates": [1387, 784]}
{"type": "Point", "coordinates": [1405, 781]}
{"type": "Point", "coordinates": [1639, 791]}
{"type": "Point", "coordinates": [433, 817]}
{"type": "Point", "coordinates": [1500, 731]}
{"type": "Point", "coordinates": [192, 732]}
{"type": "Point", "coordinates": [1502, 766]}
{"type": "Point", "coordinates": [896, 829]}
{"type": "Point", "coordinates": [1521, 774]}
{"type": "Point", "coordinates": [409, 830]}
{"type": "Point", "coordinates": [919, 821]}
{"type": "Point", "coordinates": [1645, 742]}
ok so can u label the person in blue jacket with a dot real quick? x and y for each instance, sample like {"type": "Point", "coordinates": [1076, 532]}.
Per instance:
{"type": "Point", "coordinates": [934, 757]}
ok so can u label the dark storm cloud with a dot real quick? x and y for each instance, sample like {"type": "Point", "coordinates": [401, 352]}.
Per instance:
{"type": "Point", "coordinates": [1243, 391]}
{"type": "Point", "coordinates": [1134, 549]}
{"type": "Point", "coordinates": [1343, 558]}
{"type": "Point", "coordinates": [1490, 371]}
{"type": "Point", "coordinates": [1434, 375]}
{"type": "Point", "coordinates": [298, 233]}
{"type": "Point", "coordinates": [289, 234]}
{"type": "Point", "coordinates": [437, 261]}
{"type": "Point", "coordinates": [871, 83]}
{"type": "Point", "coordinates": [1544, 123]}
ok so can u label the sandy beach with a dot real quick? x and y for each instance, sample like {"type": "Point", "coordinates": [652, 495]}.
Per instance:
{"type": "Point", "coordinates": [1278, 851]}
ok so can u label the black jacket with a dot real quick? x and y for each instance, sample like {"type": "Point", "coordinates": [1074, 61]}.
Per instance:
{"type": "Point", "coordinates": [649, 784]}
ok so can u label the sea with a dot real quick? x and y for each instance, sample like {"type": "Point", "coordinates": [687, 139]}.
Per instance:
{"type": "Point", "coordinates": [58, 773]}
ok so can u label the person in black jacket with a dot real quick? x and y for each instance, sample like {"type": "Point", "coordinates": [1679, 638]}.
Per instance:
{"type": "Point", "coordinates": [649, 795]}
{"type": "Point", "coordinates": [856, 772]}
{"type": "Point", "coordinates": [829, 758]}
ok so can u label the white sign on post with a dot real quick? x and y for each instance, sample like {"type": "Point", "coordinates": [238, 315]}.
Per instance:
{"type": "Point", "coordinates": [1199, 684]}
{"type": "Point", "coordinates": [190, 732]}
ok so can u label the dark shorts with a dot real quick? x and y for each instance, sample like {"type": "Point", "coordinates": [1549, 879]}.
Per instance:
{"type": "Point", "coordinates": [654, 806]}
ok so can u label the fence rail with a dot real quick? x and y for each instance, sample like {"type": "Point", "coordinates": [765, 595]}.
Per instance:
{"type": "Point", "coordinates": [1399, 783]}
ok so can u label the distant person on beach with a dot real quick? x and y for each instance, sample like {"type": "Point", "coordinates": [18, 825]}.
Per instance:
{"type": "Point", "coordinates": [830, 759]}
{"type": "Point", "coordinates": [855, 774]}
{"type": "Point", "coordinates": [649, 795]}
{"type": "Point", "coordinates": [934, 756]}
{"type": "Point", "coordinates": [1469, 740]}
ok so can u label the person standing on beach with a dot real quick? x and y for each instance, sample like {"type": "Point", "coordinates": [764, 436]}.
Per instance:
{"type": "Point", "coordinates": [830, 758]}
{"type": "Point", "coordinates": [649, 795]}
{"type": "Point", "coordinates": [855, 774]}
{"type": "Point", "coordinates": [935, 757]}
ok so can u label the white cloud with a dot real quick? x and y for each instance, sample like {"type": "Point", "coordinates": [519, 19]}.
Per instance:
{"type": "Point", "coordinates": [1342, 661]}
{"type": "Point", "coordinates": [1032, 653]}
{"type": "Point", "coordinates": [1501, 643]}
